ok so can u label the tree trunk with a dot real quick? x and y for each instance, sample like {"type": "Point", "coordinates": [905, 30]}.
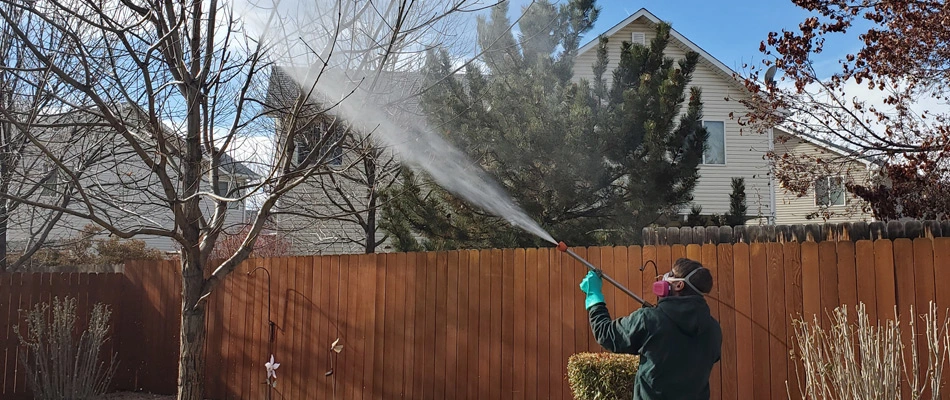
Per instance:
{"type": "Point", "coordinates": [370, 225]}
{"type": "Point", "coordinates": [191, 362]}
{"type": "Point", "coordinates": [3, 235]}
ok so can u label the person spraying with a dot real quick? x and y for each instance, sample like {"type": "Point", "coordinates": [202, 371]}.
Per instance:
{"type": "Point", "coordinates": [678, 340]}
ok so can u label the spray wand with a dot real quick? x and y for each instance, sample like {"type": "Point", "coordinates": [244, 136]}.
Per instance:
{"type": "Point", "coordinates": [563, 247]}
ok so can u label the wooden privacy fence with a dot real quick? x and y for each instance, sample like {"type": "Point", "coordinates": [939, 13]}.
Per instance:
{"type": "Point", "coordinates": [493, 324]}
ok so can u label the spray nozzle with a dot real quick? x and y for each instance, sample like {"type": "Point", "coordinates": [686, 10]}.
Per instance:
{"type": "Point", "coordinates": [562, 246]}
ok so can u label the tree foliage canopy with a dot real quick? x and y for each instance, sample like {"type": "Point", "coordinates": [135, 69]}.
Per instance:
{"type": "Point", "coordinates": [593, 162]}
{"type": "Point", "coordinates": [904, 59]}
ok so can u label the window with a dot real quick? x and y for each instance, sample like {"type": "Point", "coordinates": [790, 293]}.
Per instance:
{"type": "Point", "coordinates": [53, 181]}
{"type": "Point", "coordinates": [829, 191]}
{"type": "Point", "coordinates": [715, 153]}
{"type": "Point", "coordinates": [333, 144]}
{"type": "Point", "coordinates": [223, 187]}
{"type": "Point", "coordinates": [303, 150]}
{"type": "Point", "coordinates": [229, 190]}
{"type": "Point", "coordinates": [639, 38]}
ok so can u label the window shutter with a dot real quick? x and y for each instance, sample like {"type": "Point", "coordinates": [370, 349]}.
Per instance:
{"type": "Point", "coordinates": [639, 38]}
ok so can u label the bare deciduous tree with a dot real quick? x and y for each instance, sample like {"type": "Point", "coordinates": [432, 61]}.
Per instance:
{"type": "Point", "coordinates": [888, 101]}
{"type": "Point", "coordinates": [169, 90]}
{"type": "Point", "coordinates": [382, 62]}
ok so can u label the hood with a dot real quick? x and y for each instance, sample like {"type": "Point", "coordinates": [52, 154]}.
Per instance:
{"type": "Point", "coordinates": [689, 313]}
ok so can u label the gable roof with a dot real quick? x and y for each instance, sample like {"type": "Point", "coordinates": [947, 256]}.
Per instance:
{"type": "Point", "coordinates": [644, 13]}
{"type": "Point", "coordinates": [838, 149]}
{"type": "Point", "coordinates": [731, 74]}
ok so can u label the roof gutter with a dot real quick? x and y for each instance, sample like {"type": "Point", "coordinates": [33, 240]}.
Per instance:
{"type": "Point", "coordinates": [772, 188]}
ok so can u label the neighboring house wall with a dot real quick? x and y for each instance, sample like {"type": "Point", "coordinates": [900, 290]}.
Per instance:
{"type": "Point", "coordinates": [320, 215]}
{"type": "Point", "coordinates": [327, 214]}
{"type": "Point", "coordinates": [124, 193]}
{"type": "Point", "coordinates": [844, 207]}
{"type": "Point", "coordinates": [744, 150]}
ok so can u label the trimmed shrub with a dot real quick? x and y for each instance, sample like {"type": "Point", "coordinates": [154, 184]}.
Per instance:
{"type": "Point", "coordinates": [602, 376]}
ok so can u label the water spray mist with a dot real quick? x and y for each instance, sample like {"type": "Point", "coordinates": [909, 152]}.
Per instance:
{"type": "Point", "coordinates": [563, 247]}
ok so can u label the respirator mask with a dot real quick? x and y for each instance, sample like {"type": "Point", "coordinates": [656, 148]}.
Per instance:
{"type": "Point", "coordinates": [663, 287]}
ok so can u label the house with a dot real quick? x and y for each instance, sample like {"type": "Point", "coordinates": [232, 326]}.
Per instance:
{"type": "Point", "coordinates": [112, 179]}
{"type": "Point", "coordinates": [736, 152]}
{"type": "Point", "coordinates": [334, 211]}
{"type": "Point", "coordinates": [826, 200]}
{"type": "Point", "coordinates": [311, 216]}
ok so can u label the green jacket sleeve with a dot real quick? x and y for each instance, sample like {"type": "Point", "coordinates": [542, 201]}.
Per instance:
{"type": "Point", "coordinates": [624, 335]}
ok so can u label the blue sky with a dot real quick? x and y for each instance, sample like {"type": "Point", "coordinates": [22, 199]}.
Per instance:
{"type": "Point", "coordinates": [730, 30]}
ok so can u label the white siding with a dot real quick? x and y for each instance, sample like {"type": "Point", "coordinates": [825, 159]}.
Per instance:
{"type": "Point", "coordinates": [745, 151]}
{"type": "Point", "coordinates": [793, 209]}
{"type": "Point", "coordinates": [138, 202]}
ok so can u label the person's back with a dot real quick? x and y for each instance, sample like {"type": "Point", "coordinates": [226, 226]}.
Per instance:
{"type": "Point", "coordinates": [678, 340]}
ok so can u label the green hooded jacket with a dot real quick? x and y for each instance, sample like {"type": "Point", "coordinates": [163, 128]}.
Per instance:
{"type": "Point", "coordinates": [678, 342]}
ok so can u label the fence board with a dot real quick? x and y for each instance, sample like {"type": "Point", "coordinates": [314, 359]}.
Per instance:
{"type": "Point", "coordinates": [811, 282]}
{"type": "Point", "coordinates": [461, 367]}
{"type": "Point", "coordinates": [384, 314]}
{"type": "Point", "coordinates": [828, 273]}
{"type": "Point", "coordinates": [649, 260]}
{"type": "Point", "coordinates": [281, 345]}
{"type": "Point", "coordinates": [329, 330]}
{"type": "Point", "coordinates": [941, 277]}
{"type": "Point", "coordinates": [621, 269]}
{"type": "Point", "coordinates": [507, 324]}
{"type": "Point", "coordinates": [778, 350]}
{"type": "Point", "coordinates": [390, 326]}
{"type": "Point", "coordinates": [470, 324]}
{"type": "Point", "coordinates": [520, 342]}
{"type": "Point", "coordinates": [413, 291]}
{"type": "Point", "coordinates": [558, 276]}
{"type": "Point", "coordinates": [942, 272]}
{"type": "Point", "coordinates": [693, 252]}
{"type": "Point", "coordinates": [352, 372]}
{"type": "Point", "coordinates": [847, 277]}
{"type": "Point", "coordinates": [581, 322]}
{"type": "Point", "coordinates": [236, 331]}
{"type": "Point", "coordinates": [21, 283]}
{"type": "Point", "coordinates": [310, 310]}
{"type": "Point", "coordinates": [758, 266]}
{"type": "Point", "coordinates": [924, 295]}
{"type": "Point", "coordinates": [213, 326]}
{"type": "Point", "coordinates": [8, 318]}
{"type": "Point", "coordinates": [593, 253]}
{"type": "Point", "coordinates": [474, 323]}
{"type": "Point", "coordinates": [865, 272]}
{"type": "Point", "coordinates": [710, 261]}
{"type": "Point", "coordinates": [637, 277]}
{"type": "Point", "coordinates": [904, 275]}
{"type": "Point", "coordinates": [439, 329]}
{"type": "Point", "coordinates": [677, 251]}
{"type": "Point", "coordinates": [727, 320]}
{"type": "Point", "coordinates": [531, 325]}
{"type": "Point", "coordinates": [494, 355]}
{"type": "Point", "coordinates": [484, 325]}
{"type": "Point", "coordinates": [793, 309]}
{"type": "Point", "coordinates": [452, 324]}
{"type": "Point", "coordinates": [611, 293]}
{"type": "Point", "coordinates": [885, 278]}
{"type": "Point", "coordinates": [743, 286]}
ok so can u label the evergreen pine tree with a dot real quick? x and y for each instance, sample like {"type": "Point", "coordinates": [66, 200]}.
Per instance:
{"type": "Point", "coordinates": [737, 206]}
{"type": "Point", "coordinates": [525, 122]}
{"type": "Point", "coordinates": [655, 158]}
{"type": "Point", "coordinates": [592, 164]}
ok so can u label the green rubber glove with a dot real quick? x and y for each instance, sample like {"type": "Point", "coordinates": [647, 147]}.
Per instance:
{"type": "Point", "coordinates": [592, 285]}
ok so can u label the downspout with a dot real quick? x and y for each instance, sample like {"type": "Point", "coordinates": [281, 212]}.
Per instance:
{"type": "Point", "coordinates": [772, 214]}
